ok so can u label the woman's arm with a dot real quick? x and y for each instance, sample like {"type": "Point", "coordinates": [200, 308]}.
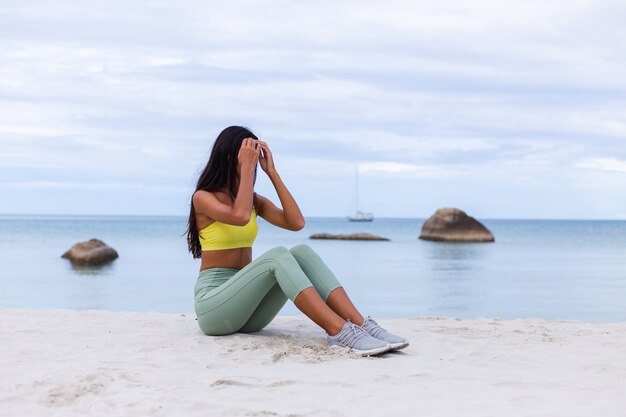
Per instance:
{"type": "Point", "coordinates": [238, 214]}
{"type": "Point", "coordinates": [289, 217]}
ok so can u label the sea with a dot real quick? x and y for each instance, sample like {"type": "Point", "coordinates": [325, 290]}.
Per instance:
{"type": "Point", "coordinates": [550, 269]}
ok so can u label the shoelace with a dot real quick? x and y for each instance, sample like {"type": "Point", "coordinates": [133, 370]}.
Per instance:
{"type": "Point", "coordinates": [371, 327]}
{"type": "Point", "coordinates": [352, 336]}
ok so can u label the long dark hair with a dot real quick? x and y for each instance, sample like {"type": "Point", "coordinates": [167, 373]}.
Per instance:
{"type": "Point", "coordinates": [220, 172]}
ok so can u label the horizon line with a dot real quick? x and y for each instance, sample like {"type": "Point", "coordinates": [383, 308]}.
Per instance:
{"type": "Point", "coordinates": [312, 217]}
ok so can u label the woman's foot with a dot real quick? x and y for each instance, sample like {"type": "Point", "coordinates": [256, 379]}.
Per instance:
{"type": "Point", "coordinates": [374, 330]}
{"type": "Point", "coordinates": [358, 340]}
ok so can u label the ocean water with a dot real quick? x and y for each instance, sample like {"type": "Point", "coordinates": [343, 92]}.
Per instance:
{"type": "Point", "coordinates": [546, 268]}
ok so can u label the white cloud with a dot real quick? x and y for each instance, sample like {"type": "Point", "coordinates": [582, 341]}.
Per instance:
{"type": "Point", "coordinates": [76, 185]}
{"type": "Point", "coordinates": [506, 91]}
{"type": "Point", "coordinates": [389, 167]}
{"type": "Point", "coordinates": [409, 171]}
{"type": "Point", "coordinates": [604, 164]}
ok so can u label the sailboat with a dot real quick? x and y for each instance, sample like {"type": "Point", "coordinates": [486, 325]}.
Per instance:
{"type": "Point", "coordinates": [359, 216]}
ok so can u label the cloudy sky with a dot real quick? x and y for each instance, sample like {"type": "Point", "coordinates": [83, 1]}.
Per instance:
{"type": "Point", "coordinates": [505, 109]}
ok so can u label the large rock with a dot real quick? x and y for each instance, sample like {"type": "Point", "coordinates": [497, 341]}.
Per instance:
{"type": "Point", "coordinates": [353, 236]}
{"type": "Point", "coordinates": [453, 225]}
{"type": "Point", "coordinates": [94, 252]}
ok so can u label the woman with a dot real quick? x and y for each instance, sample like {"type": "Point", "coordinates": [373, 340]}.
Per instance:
{"type": "Point", "coordinates": [233, 293]}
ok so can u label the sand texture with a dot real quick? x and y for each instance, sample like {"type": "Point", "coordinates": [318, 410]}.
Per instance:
{"type": "Point", "coordinates": [76, 363]}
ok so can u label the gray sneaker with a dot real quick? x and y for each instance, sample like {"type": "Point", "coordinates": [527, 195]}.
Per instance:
{"type": "Point", "coordinates": [373, 329]}
{"type": "Point", "coordinates": [358, 340]}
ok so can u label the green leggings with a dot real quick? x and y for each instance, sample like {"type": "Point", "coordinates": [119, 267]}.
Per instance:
{"type": "Point", "coordinates": [229, 300]}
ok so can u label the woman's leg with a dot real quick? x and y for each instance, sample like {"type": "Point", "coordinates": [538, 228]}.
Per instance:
{"type": "Point", "coordinates": [335, 296]}
{"type": "Point", "coordinates": [341, 304]}
{"type": "Point", "coordinates": [267, 309]}
{"type": "Point", "coordinates": [326, 283]}
{"type": "Point", "coordinates": [229, 307]}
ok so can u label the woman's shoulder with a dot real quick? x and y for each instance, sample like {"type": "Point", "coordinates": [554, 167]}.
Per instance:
{"type": "Point", "coordinates": [204, 198]}
{"type": "Point", "coordinates": [258, 203]}
{"type": "Point", "coordinates": [259, 197]}
{"type": "Point", "coordinates": [210, 196]}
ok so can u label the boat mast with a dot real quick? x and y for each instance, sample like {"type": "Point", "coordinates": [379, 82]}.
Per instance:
{"type": "Point", "coordinates": [356, 194]}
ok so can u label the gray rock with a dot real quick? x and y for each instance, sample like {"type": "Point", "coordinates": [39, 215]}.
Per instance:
{"type": "Point", "coordinates": [453, 225]}
{"type": "Point", "coordinates": [94, 252]}
{"type": "Point", "coordinates": [353, 236]}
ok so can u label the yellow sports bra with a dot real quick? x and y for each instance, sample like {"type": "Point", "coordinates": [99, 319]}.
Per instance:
{"type": "Point", "coordinates": [219, 235]}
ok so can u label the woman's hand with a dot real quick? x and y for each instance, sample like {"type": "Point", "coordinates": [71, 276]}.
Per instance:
{"type": "Point", "coordinates": [266, 160]}
{"type": "Point", "coordinates": [248, 153]}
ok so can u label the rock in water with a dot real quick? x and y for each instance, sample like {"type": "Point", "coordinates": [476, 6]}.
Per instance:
{"type": "Point", "coordinates": [353, 236]}
{"type": "Point", "coordinates": [94, 252]}
{"type": "Point", "coordinates": [453, 225]}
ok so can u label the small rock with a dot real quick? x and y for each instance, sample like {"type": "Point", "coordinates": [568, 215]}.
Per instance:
{"type": "Point", "coordinates": [453, 225]}
{"type": "Point", "coordinates": [94, 252]}
{"type": "Point", "coordinates": [353, 236]}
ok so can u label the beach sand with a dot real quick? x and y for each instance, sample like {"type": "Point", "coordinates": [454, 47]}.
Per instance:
{"type": "Point", "coordinates": [65, 363]}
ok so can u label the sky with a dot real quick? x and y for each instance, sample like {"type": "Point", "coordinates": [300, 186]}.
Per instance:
{"type": "Point", "coordinates": [503, 109]}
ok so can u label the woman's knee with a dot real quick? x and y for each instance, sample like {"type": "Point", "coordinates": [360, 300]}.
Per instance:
{"type": "Point", "coordinates": [276, 254]}
{"type": "Point", "coordinates": [302, 249]}
{"type": "Point", "coordinates": [305, 252]}
{"type": "Point", "coordinates": [277, 251]}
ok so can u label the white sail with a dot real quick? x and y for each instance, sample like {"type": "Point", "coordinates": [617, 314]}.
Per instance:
{"type": "Point", "coordinates": [359, 215]}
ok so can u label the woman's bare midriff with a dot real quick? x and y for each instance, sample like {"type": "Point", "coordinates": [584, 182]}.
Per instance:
{"type": "Point", "coordinates": [226, 258]}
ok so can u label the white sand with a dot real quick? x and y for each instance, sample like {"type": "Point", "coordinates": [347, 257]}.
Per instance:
{"type": "Point", "coordinates": [65, 363]}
